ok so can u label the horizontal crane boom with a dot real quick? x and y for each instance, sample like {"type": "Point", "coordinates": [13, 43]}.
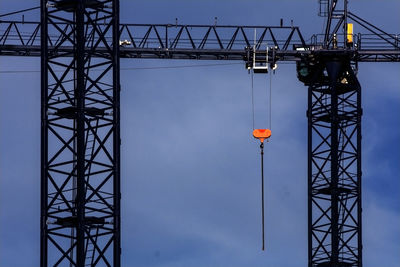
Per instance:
{"type": "Point", "coordinates": [203, 42]}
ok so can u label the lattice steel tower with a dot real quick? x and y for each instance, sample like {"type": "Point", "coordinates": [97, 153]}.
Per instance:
{"type": "Point", "coordinates": [80, 213]}
{"type": "Point", "coordinates": [334, 145]}
{"type": "Point", "coordinates": [334, 166]}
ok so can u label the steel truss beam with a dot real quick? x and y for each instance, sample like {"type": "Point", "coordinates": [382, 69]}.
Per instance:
{"type": "Point", "coordinates": [334, 164]}
{"type": "Point", "coordinates": [80, 154]}
{"type": "Point", "coordinates": [207, 42]}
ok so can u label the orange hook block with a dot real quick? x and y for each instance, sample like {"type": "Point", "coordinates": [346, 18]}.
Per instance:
{"type": "Point", "coordinates": [262, 134]}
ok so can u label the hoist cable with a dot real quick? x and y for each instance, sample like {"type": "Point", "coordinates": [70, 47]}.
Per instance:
{"type": "Point", "coordinates": [270, 100]}
{"type": "Point", "coordinates": [262, 195]}
{"type": "Point", "coordinates": [132, 68]}
{"type": "Point", "coordinates": [19, 11]}
{"type": "Point", "coordinates": [252, 97]}
{"type": "Point", "coordinates": [262, 134]}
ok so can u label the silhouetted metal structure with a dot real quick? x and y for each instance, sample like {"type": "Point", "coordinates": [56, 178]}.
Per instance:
{"type": "Point", "coordinates": [80, 220]}
{"type": "Point", "coordinates": [334, 165]}
{"type": "Point", "coordinates": [80, 43]}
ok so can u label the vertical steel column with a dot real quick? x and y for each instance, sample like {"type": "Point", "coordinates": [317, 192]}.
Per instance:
{"type": "Point", "coordinates": [334, 164]}
{"type": "Point", "coordinates": [44, 138]}
{"type": "Point", "coordinates": [333, 71]}
{"type": "Point", "coordinates": [116, 136]}
{"type": "Point", "coordinates": [80, 150]}
{"type": "Point", "coordinates": [359, 174]}
{"type": "Point", "coordinates": [310, 173]}
{"type": "Point", "coordinates": [79, 92]}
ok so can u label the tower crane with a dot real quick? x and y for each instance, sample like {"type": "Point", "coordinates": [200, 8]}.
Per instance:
{"type": "Point", "coordinates": [80, 43]}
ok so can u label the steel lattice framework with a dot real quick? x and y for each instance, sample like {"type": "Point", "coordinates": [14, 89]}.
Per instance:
{"type": "Point", "coordinates": [80, 43]}
{"type": "Point", "coordinates": [206, 42]}
{"type": "Point", "coordinates": [334, 168]}
{"type": "Point", "coordinates": [80, 220]}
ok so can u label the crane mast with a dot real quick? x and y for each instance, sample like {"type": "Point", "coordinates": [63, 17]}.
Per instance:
{"type": "Point", "coordinates": [80, 193]}
{"type": "Point", "coordinates": [80, 43]}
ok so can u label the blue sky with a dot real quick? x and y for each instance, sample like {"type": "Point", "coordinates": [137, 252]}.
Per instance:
{"type": "Point", "coordinates": [190, 169]}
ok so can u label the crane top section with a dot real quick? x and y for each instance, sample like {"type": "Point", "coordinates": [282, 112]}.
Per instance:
{"type": "Point", "coordinates": [207, 42]}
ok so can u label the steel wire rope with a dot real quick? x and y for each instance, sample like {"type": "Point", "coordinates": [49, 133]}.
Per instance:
{"type": "Point", "coordinates": [262, 197]}
{"type": "Point", "coordinates": [252, 98]}
{"type": "Point", "coordinates": [139, 68]}
{"type": "Point", "coordinates": [263, 181]}
{"type": "Point", "coordinates": [133, 68]}
{"type": "Point", "coordinates": [20, 11]}
{"type": "Point", "coordinates": [270, 102]}
{"type": "Point", "coordinates": [262, 152]}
